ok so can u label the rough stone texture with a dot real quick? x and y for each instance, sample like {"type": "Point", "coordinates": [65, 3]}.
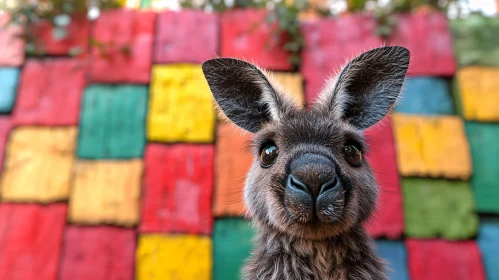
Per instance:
{"type": "Point", "coordinates": [428, 38]}
{"type": "Point", "coordinates": [432, 146]}
{"type": "Point", "coordinates": [75, 40]}
{"type": "Point", "coordinates": [439, 208]}
{"type": "Point", "coordinates": [439, 259]}
{"type": "Point", "coordinates": [330, 43]}
{"type": "Point", "coordinates": [186, 36]}
{"type": "Point", "coordinates": [98, 253]}
{"type": "Point", "coordinates": [38, 164]}
{"type": "Point", "coordinates": [178, 188]}
{"type": "Point", "coordinates": [41, 101]}
{"type": "Point", "coordinates": [245, 34]}
{"type": "Point", "coordinates": [180, 107]}
{"type": "Point", "coordinates": [478, 87]}
{"type": "Point", "coordinates": [488, 241]}
{"type": "Point", "coordinates": [292, 83]}
{"type": "Point", "coordinates": [112, 122]}
{"type": "Point", "coordinates": [395, 253]}
{"type": "Point", "coordinates": [5, 127]}
{"type": "Point", "coordinates": [231, 247]}
{"type": "Point", "coordinates": [9, 78]}
{"type": "Point", "coordinates": [483, 139]}
{"type": "Point", "coordinates": [186, 257]}
{"type": "Point", "coordinates": [388, 219]}
{"type": "Point", "coordinates": [30, 240]}
{"type": "Point", "coordinates": [123, 53]}
{"type": "Point", "coordinates": [106, 192]}
{"type": "Point", "coordinates": [232, 162]}
{"type": "Point", "coordinates": [426, 96]}
{"type": "Point", "coordinates": [11, 44]}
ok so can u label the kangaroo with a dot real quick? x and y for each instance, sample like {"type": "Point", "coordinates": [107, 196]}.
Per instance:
{"type": "Point", "coordinates": [310, 188]}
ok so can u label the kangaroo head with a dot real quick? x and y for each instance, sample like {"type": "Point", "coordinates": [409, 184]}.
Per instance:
{"type": "Point", "coordinates": [309, 177]}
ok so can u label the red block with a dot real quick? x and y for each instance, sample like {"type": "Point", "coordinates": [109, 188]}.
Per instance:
{"type": "Point", "coordinates": [388, 219]}
{"type": "Point", "coordinates": [175, 39]}
{"type": "Point", "coordinates": [5, 126]}
{"type": "Point", "coordinates": [428, 38]}
{"type": "Point", "coordinates": [98, 253]}
{"type": "Point", "coordinates": [440, 259]}
{"type": "Point", "coordinates": [11, 43]}
{"type": "Point", "coordinates": [122, 52]}
{"type": "Point", "coordinates": [178, 189]}
{"type": "Point", "coordinates": [330, 43]}
{"type": "Point", "coordinates": [246, 35]}
{"type": "Point", "coordinates": [77, 35]}
{"type": "Point", "coordinates": [30, 240]}
{"type": "Point", "coordinates": [50, 92]}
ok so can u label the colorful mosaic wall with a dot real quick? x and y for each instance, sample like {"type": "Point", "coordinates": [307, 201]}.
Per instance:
{"type": "Point", "coordinates": [116, 166]}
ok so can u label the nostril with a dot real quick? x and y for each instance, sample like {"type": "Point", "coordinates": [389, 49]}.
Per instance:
{"type": "Point", "coordinates": [298, 185]}
{"type": "Point", "coordinates": [329, 185]}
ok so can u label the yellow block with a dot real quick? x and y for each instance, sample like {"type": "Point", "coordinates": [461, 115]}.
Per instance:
{"type": "Point", "coordinates": [292, 83]}
{"type": "Point", "coordinates": [479, 90]}
{"type": "Point", "coordinates": [180, 106]}
{"type": "Point", "coordinates": [38, 164]}
{"type": "Point", "coordinates": [174, 257]}
{"type": "Point", "coordinates": [432, 146]}
{"type": "Point", "coordinates": [106, 192]}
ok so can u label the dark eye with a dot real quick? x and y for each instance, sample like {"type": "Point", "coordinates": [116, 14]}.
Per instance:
{"type": "Point", "coordinates": [268, 155]}
{"type": "Point", "coordinates": [352, 155]}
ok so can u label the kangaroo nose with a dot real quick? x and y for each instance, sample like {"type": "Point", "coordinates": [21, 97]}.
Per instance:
{"type": "Point", "coordinates": [298, 187]}
{"type": "Point", "coordinates": [333, 185]}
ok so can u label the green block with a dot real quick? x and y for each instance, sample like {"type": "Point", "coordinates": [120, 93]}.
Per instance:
{"type": "Point", "coordinates": [484, 139]}
{"type": "Point", "coordinates": [476, 41]}
{"type": "Point", "coordinates": [112, 122]}
{"type": "Point", "coordinates": [232, 246]}
{"type": "Point", "coordinates": [439, 208]}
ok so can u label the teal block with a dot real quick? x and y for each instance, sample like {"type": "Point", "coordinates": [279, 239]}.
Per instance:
{"type": "Point", "coordinates": [427, 96]}
{"type": "Point", "coordinates": [112, 122]}
{"type": "Point", "coordinates": [9, 79]}
{"type": "Point", "coordinates": [484, 139]}
{"type": "Point", "coordinates": [232, 246]}
{"type": "Point", "coordinates": [488, 241]}
{"type": "Point", "coordinates": [395, 253]}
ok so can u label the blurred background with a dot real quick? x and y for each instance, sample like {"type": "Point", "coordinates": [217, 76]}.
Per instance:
{"type": "Point", "coordinates": [115, 165]}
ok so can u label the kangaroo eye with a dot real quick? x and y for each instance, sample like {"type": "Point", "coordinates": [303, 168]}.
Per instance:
{"type": "Point", "coordinates": [268, 155]}
{"type": "Point", "coordinates": [352, 155]}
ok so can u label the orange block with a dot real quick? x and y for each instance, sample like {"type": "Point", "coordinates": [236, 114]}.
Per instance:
{"type": "Point", "coordinates": [292, 83]}
{"type": "Point", "coordinates": [479, 92]}
{"type": "Point", "coordinates": [432, 146]}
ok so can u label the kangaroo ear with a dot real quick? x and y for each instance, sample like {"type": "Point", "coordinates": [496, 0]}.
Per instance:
{"type": "Point", "coordinates": [243, 93]}
{"type": "Point", "coordinates": [367, 87]}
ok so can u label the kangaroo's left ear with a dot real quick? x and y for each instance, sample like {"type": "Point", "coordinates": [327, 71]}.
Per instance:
{"type": "Point", "coordinates": [367, 87]}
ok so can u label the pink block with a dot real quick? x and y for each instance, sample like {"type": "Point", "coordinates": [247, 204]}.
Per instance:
{"type": "Point", "coordinates": [98, 253]}
{"type": "Point", "coordinates": [123, 49]}
{"type": "Point", "coordinates": [11, 45]}
{"type": "Point", "coordinates": [5, 126]}
{"type": "Point", "coordinates": [187, 36]}
{"type": "Point", "coordinates": [50, 92]}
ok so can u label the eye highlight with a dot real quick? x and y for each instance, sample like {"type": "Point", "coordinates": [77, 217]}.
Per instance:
{"type": "Point", "coordinates": [352, 155]}
{"type": "Point", "coordinates": [268, 155]}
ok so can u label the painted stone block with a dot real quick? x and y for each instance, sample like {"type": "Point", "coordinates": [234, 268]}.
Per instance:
{"type": "Point", "coordinates": [9, 79]}
{"type": "Point", "coordinates": [388, 218]}
{"type": "Point", "coordinates": [186, 36]}
{"type": "Point", "coordinates": [439, 259]}
{"type": "Point", "coordinates": [41, 101]}
{"type": "Point", "coordinates": [232, 163]}
{"type": "Point", "coordinates": [439, 208]}
{"type": "Point", "coordinates": [112, 122]}
{"type": "Point", "coordinates": [292, 83]}
{"type": "Point", "coordinates": [432, 146]}
{"type": "Point", "coordinates": [11, 43]}
{"type": "Point", "coordinates": [181, 107]}
{"type": "Point", "coordinates": [187, 257]}
{"type": "Point", "coordinates": [30, 239]}
{"type": "Point", "coordinates": [395, 253]}
{"type": "Point", "coordinates": [246, 35]}
{"type": "Point", "coordinates": [106, 192]}
{"type": "Point", "coordinates": [428, 37]}
{"type": "Point", "coordinates": [426, 96]}
{"type": "Point", "coordinates": [38, 164]}
{"type": "Point", "coordinates": [330, 43]}
{"type": "Point", "coordinates": [5, 127]}
{"type": "Point", "coordinates": [484, 152]}
{"type": "Point", "coordinates": [232, 246]}
{"type": "Point", "coordinates": [122, 52]}
{"type": "Point", "coordinates": [98, 253]}
{"type": "Point", "coordinates": [178, 188]}
{"type": "Point", "coordinates": [488, 241]}
{"type": "Point", "coordinates": [478, 88]}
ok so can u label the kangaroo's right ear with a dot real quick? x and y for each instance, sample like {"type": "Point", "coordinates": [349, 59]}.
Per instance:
{"type": "Point", "coordinates": [243, 93]}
